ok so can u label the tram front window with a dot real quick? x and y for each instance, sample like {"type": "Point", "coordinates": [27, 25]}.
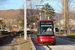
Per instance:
{"type": "Point", "coordinates": [46, 29]}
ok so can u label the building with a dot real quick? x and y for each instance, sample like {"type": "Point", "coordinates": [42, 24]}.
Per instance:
{"type": "Point", "coordinates": [72, 22]}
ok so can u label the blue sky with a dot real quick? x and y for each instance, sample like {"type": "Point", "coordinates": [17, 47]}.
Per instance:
{"type": "Point", "coordinates": [11, 4]}
{"type": "Point", "coordinates": [55, 4]}
{"type": "Point", "coordinates": [18, 4]}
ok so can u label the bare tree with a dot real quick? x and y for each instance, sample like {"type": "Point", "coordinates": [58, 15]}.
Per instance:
{"type": "Point", "coordinates": [66, 7]}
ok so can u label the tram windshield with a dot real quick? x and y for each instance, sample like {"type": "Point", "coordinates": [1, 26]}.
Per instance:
{"type": "Point", "coordinates": [47, 30]}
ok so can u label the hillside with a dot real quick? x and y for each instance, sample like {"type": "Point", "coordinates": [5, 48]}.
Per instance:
{"type": "Point", "coordinates": [18, 13]}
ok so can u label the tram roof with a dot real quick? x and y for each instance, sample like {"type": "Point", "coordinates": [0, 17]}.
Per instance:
{"type": "Point", "coordinates": [45, 21]}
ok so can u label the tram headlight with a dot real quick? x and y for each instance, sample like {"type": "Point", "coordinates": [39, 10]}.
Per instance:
{"type": "Point", "coordinates": [41, 39]}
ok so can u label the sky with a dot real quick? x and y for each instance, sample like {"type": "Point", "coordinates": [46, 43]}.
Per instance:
{"type": "Point", "coordinates": [18, 4]}
{"type": "Point", "coordinates": [11, 4]}
{"type": "Point", "coordinates": [55, 4]}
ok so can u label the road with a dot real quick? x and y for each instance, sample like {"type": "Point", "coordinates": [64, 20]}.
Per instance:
{"type": "Point", "coordinates": [61, 44]}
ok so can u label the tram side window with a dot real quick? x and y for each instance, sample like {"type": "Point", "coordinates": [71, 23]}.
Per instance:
{"type": "Point", "coordinates": [37, 29]}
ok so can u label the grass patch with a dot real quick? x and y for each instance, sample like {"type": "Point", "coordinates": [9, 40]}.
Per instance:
{"type": "Point", "coordinates": [25, 43]}
{"type": "Point", "coordinates": [57, 34]}
{"type": "Point", "coordinates": [29, 46]}
{"type": "Point", "coordinates": [0, 32]}
{"type": "Point", "coordinates": [18, 34]}
{"type": "Point", "coordinates": [72, 33]}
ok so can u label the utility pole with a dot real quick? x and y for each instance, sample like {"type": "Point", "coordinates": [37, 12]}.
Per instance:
{"type": "Point", "coordinates": [59, 22]}
{"type": "Point", "coordinates": [25, 21]}
{"type": "Point", "coordinates": [68, 17]}
{"type": "Point", "coordinates": [65, 22]}
{"type": "Point", "coordinates": [66, 4]}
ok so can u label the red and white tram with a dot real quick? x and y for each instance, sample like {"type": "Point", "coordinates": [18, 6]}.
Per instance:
{"type": "Point", "coordinates": [43, 32]}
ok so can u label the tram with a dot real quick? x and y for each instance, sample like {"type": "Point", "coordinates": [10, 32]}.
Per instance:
{"type": "Point", "coordinates": [43, 32]}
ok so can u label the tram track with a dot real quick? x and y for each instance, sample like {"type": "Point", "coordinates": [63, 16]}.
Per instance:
{"type": "Point", "coordinates": [49, 47]}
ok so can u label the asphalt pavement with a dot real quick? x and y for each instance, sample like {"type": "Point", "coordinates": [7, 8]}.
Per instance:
{"type": "Point", "coordinates": [61, 44]}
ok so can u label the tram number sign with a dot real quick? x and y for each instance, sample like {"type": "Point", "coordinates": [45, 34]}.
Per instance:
{"type": "Point", "coordinates": [46, 22]}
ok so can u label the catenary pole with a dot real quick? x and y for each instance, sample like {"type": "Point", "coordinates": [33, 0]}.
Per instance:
{"type": "Point", "coordinates": [40, 12]}
{"type": "Point", "coordinates": [40, 15]}
{"type": "Point", "coordinates": [48, 17]}
{"type": "Point", "coordinates": [65, 16]}
{"type": "Point", "coordinates": [45, 11]}
{"type": "Point", "coordinates": [25, 21]}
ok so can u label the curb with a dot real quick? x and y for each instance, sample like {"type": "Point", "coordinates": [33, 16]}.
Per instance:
{"type": "Point", "coordinates": [33, 47]}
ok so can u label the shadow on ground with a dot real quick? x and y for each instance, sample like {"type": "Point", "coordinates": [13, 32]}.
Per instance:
{"type": "Point", "coordinates": [10, 40]}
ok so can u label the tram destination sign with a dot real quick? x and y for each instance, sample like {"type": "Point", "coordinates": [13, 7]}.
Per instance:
{"type": "Point", "coordinates": [46, 23]}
